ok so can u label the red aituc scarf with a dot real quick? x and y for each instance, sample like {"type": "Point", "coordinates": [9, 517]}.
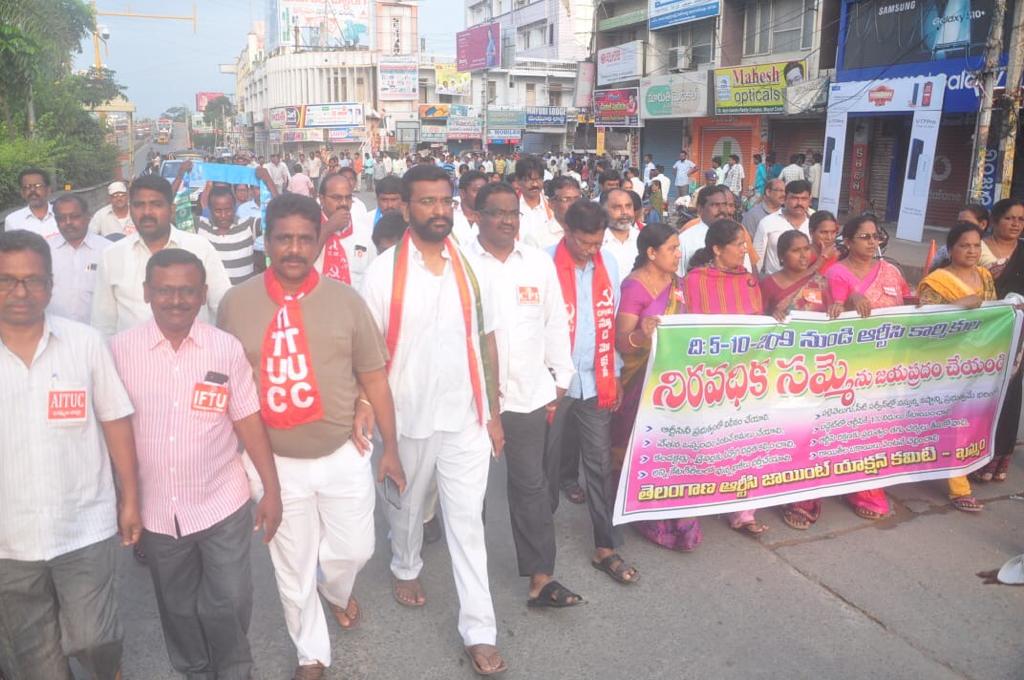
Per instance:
{"type": "Point", "coordinates": [464, 279]}
{"type": "Point", "coordinates": [603, 297]}
{"type": "Point", "coordinates": [335, 257]}
{"type": "Point", "coordinates": [289, 395]}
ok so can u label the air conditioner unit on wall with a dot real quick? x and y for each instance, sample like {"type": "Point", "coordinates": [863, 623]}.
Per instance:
{"type": "Point", "coordinates": [680, 58]}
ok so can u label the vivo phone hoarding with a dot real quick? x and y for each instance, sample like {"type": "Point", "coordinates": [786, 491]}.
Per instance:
{"type": "Point", "coordinates": [478, 48]}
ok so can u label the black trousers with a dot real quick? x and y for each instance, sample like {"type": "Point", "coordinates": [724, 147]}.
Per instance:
{"type": "Point", "coordinates": [203, 585]}
{"type": "Point", "coordinates": [593, 426]}
{"type": "Point", "coordinates": [533, 528]}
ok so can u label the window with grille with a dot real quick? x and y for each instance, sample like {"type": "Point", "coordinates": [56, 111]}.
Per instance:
{"type": "Point", "coordinates": [777, 26]}
{"type": "Point", "coordinates": [699, 37]}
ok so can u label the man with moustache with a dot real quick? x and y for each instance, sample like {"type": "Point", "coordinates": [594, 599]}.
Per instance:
{"type": "Point", "coordinates": [346, 242]}
{"type": "Point", "coordinates": [620, 238]}
{"type": "Point", "coordinates": [36, 216]}
{"type": "Point", "coordinates": [795, 214]}
{"type": "Point", "coordinates": [534, 369]}
{"type": "Point", "coordinates": [537, 224]}
{"type": "Point", "coordinates": [437, 316]}
{"type": "Point", "coordinates": [319, 362]}
{"type": "Point", "coordinates": [587, 277]}
{"type": "Point", "coordinates": [195, 407]}
{"type": "Point", "coordinates": [118, 302]}
{"type": "Point", "coordinates": [388, 191]}
{"type": "Point", "coordinates": [464, 216]}
{"type": "Point", "coordinates": [76, 255]}
{"type": "Point", "coordinates": [113, 218]}
{"type": "Point", "coordinates": [712, 205]}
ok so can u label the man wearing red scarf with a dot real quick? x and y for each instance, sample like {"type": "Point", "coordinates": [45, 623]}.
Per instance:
{"type": "Point", "coordinates": [346, 235]}
{"type": "Point", "coordinates": [319, 362]}
{"type": "Point", "coordinates": [438, 317]}
{"type": "Point", "coordinates": [589, 278]}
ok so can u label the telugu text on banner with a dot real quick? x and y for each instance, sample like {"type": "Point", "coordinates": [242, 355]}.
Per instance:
{"type": "Point", "coordinates": [742, 412]}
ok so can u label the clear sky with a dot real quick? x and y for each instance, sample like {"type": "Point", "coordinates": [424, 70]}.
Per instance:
{"type": "Point", "coordinates": [162, 63]}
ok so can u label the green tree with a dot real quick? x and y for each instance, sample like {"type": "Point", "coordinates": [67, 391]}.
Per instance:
{"type": "Point", "coordinates": [178, 114]}
{"type": "Point", "coordinates": [38, 40]}
{"type": "Point", "coordinates": [95, 87]}
{"type": "Point", "coordinates": [218, 112]}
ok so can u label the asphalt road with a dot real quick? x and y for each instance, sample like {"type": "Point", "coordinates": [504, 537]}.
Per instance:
{"type": "Point", "coordinates": [847, 599]}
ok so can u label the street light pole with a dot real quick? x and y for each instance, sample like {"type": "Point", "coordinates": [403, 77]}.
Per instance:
{"type": "Point", "coordinates": [1012, 97]}
{"type": "Point", "coordinates": [989, 74]}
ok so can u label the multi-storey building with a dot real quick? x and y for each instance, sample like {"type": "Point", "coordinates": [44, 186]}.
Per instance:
{"type": "Point", "coordinates": [351, 83]}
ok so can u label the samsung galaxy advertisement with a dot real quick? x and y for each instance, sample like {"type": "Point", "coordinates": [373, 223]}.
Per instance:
{"type": "Point", "coordinates": [893, 38]}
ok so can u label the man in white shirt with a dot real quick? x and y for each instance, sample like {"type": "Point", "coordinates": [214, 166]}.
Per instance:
{"type": "Point", "coordinates": [660, 178]}
{"type": "Point", "coordinates": [636, 185]}
{"type": "Point", "coordinates": [792, 172]}
{"type": "Point", "coordinates": [537, 225]}
{"type": "Point", "coordinates": [346, 243]}
{"type": "Point", "coordinates": [464, 216]}
{"type": "Point", "coordinates": [684, 167]}
{"type": "Point", "coordinates": [314, 165]}
{"type": "Point", "coordinates": [564, 191]}
{"type": "Point", "coordinates": [534, 369]}
{"type": "Point", "coordinates": [279, 173]}
{"type": "Point", "coordinates": [648, 167]}
{"type": "Point", "coordinates": [794, 215]}
{"type": "Point", "coordinates": [37, 216]}
{"type": "Point", "coordinates": [713, 205]}
{"type": "Point", "coordinates": [113, 218]}
{"type": "Point", "coordinates": [359, 210]}
{"type": "Point", "coordinates": [734, 176]}
{"type": "Point", "coordinates": [118, 302]}
{"type": "Point", "coordinates": [814, 177]}
{"type": "Point", "coordinates": [76, 255]}
{"type": "Point", "coordinates": [423, 299]}
{"type": "Point", "coordinates": [622, 233]}
{"type": "Point", "coordinates": [66, 436]}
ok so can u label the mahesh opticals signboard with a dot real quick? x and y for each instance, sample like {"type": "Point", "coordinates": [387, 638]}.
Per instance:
{"type": "Point", "coordinates": [760, 88]}
{"type": "Point", "coordinates": [619, 63]}
{"type": "Point", "coordinates": [678, 95]}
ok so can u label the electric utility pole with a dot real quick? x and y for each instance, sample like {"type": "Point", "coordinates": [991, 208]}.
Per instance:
{"type": "Point", "coordinates": [988, 76]}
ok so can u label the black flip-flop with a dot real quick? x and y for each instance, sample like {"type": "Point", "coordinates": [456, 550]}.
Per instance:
{"type": "Point", "coordinates": [605, 565]}
{"type": "Point", "coordinates": [554, 594]}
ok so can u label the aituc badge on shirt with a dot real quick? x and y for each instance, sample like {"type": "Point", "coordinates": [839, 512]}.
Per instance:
{"type": "Point", "coordinates": [812, 296]}
{"type": "Point", "coordinates": [529, 295]}
{"type": "Point", "coordinates": [67, 406]}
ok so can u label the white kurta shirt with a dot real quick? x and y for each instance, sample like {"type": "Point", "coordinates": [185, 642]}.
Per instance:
{"type": "Point", "coordinates": [56, 485]}
{"type": "Point", "coordinates": [766, 239]}
{"type": "Point", "coordinates": [358, 247]}
{"type": "Point", "coordinates": [538, 226]}
{"type": "Point", "coordinates": [26, 219]}
{"type": "Point", "coordinates": [429, 374]}
{"type": "Point", "coordinates": [625, 252]}
{"type": "Point", "coordinates": [533, 336]}
{"type": "Point", "coordinates": [74, 275]}
{"type": "Point", "coordinates": [118, 303]}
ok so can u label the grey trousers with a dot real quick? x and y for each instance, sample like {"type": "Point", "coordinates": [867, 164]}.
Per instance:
{"type": "Point", "coordinates": [60, 608]}
{"type": "Point", "coordinates": [203, 585]}
{"type": "Point", "coordinates": [533, 528]}
{"type": "Point", "coordinates": [593, 426]}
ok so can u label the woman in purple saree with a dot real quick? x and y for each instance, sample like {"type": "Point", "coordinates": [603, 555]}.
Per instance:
{"type": "Point", "coordinates": [651, 290]}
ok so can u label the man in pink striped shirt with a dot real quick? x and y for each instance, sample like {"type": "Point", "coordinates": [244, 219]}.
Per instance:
{"type": "Point", "coordinates": [195, 399]}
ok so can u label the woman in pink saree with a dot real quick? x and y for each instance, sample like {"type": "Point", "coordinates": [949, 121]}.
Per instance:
{"type": "Point", "coordinates": [651, 290]}
{"type": "Point", "coordinates": [862, 283]}
{"type": "Point", "coordinates": [717, 282]}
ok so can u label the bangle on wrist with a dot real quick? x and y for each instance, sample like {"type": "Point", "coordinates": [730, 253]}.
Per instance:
{"type": "Point", "coordinates": [629, 339]}
{"type": "Point", "coordinates": [364, 401]}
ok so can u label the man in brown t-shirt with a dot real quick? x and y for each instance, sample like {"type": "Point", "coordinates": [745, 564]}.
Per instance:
{"type": "Point", "coordinates": [319, 361]}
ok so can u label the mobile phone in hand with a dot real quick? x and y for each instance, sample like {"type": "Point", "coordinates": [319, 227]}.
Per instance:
{"type": "Point", "coordinates": [392, 494]}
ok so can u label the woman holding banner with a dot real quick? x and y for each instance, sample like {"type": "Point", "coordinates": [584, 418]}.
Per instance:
{"type": "Point", "coordinates": [959, 280]}
{"type": "Point", "coordinates": [800, 286]}
{"type": "Point", "coordinates": [1003, 255]}
{"type": "Point", "coordinates": [717, 282]}
{"type": "Point", "coordinates": [862, 283]}
{"type": "Point", "coordinates": [651, 290]}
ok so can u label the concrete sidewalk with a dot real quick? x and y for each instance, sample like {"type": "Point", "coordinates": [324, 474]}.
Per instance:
{"type": "Point", "coordinates": [847, 599]}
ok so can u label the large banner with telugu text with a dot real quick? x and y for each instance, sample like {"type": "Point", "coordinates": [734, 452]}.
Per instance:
{"type": "Point", "coordinates": [742, 412]}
